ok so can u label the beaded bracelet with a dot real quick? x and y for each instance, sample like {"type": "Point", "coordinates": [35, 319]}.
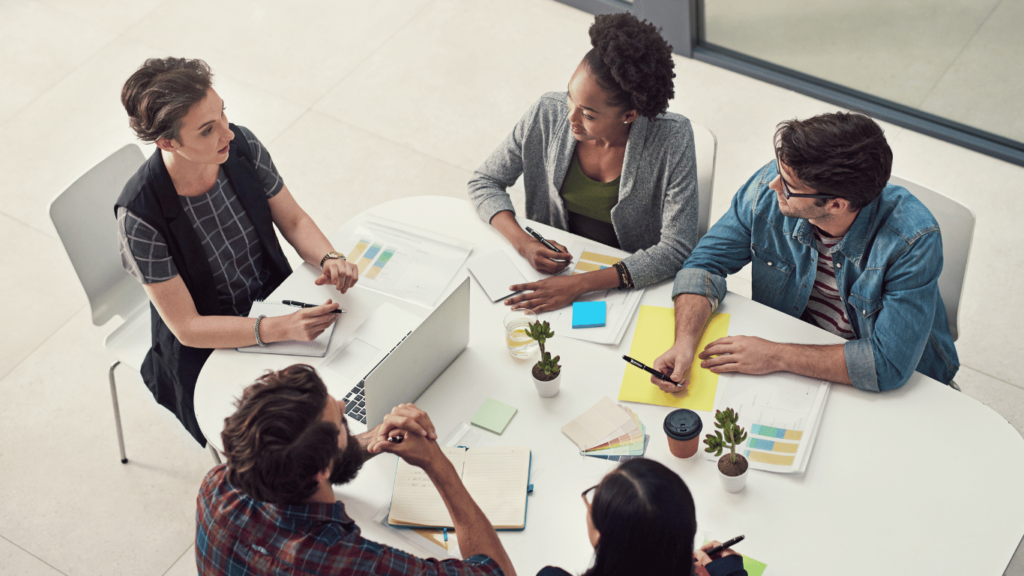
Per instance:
{"type": "Point", "coordinates": [259, 342]}
{"type": "Point", "coordinates": [625, 279]}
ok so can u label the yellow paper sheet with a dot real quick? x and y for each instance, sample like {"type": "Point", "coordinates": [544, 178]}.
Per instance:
{"type": "Point", "coordinates": [654, 334]}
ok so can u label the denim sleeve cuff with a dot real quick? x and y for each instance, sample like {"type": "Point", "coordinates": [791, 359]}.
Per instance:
{"type": "Point", "coordinates": [696, 281]}
{"type": "Point", "coordinates": [490, 206]}
{"type": "Point", "coordinates": [860, 364]}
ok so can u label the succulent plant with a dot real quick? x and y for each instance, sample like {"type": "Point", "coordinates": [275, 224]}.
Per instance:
{"type": "Point", "coordinates": [729, 434]}
{"type": "Point", "coordinates": [541, 332]}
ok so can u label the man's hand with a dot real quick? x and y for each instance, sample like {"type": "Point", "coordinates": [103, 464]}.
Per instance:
{"type": "Point", "coordinates": [548, 294]}
{"type": "Point", "coordinates": [341, 273]}
{"type": "Point", "coordinates": [542, 258]}
{"type": "Point", "coordinates": [675, 363]}
{"type": "Point", "coordinates": [744, 354]}
{"type": "Point", "coordinates": [404, 419]}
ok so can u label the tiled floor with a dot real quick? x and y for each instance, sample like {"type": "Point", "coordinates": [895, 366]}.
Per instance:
{"type": "Point", "coordinates": [359, 102]}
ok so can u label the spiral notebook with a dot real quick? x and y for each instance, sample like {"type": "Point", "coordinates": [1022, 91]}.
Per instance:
{"type": "Point", "coordinates": [314, 348]}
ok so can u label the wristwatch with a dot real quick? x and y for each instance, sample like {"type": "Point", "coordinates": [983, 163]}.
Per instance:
{"type": "Point", "coordinates": [330, 256]}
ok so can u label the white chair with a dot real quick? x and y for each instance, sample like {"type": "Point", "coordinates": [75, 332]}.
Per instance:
{"type": "Point", "coordinates": [956, 223]}
{"type": "Point", "coordinates": [706, 147]}
{"type": "Point", "coordinates": [84, 217]}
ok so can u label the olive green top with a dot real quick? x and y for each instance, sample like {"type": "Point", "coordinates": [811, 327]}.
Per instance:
{"type": "Point", "coordinates": [589, 204]}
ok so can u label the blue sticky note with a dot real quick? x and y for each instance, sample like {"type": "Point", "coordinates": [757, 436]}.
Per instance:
{"type": "Point", "coordinates": [588, 314]}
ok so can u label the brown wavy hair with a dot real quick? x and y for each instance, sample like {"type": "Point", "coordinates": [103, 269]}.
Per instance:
{"type": "Point", "coordinates": [161, 92]}
{"type": "Point", "coordinates": [844, 154]}
{"type": "Point", "coordinates": [276, 441]}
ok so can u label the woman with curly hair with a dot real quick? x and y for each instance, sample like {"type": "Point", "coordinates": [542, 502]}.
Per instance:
{"type": "Point", "coordinates": [603, 160]}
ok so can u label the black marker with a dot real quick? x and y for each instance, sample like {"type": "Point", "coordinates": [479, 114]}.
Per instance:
{"type": "Point", "coordinates": [304, 305]}
{"type": "Point", "coordinates": [728, 544]}
{"type": "Point", "coordinates": [648, 369]}
{"type": "Point", "coordinates": [541, 239]}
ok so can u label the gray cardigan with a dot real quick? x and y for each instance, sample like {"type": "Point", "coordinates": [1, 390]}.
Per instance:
{"type": "Point", "coordinates": [656, 215]}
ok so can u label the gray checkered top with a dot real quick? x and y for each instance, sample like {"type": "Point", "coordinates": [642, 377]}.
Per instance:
{"type": "Point", "coordinates": [228, 236]}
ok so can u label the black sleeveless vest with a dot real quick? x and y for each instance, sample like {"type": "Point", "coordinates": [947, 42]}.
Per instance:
{"type": "Point", "coordinates": [171, 368]}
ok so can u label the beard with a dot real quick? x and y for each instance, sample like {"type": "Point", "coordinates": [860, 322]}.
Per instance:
{"type": "Point", "coordinates": [347, 462]}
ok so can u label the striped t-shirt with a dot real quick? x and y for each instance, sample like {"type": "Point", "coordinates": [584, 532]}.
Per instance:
{"type": "Point", "coordinates": [825, 308]}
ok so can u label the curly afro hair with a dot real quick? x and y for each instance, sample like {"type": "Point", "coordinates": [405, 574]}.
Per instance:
{"type": "Point", "coordinates": [632, 63]}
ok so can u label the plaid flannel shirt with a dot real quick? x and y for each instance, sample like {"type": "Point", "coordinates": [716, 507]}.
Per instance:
{"type": "Point", "coordinates": [236, 536]}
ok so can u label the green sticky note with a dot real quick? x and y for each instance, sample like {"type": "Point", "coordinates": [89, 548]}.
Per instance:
{"type": "Point", "coordinates": [753, 567]}
{"type": "Point", "coordinates": [494, 416]}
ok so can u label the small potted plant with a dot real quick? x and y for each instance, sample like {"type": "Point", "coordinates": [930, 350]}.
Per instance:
{"type": "Point", "coordinates": [732, 468]}
{"type": "Point", "coordinates": [547, 374]}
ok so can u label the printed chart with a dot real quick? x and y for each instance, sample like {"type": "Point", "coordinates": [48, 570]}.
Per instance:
{"type": "Point", "coordinates": [781, 413]}
{"type": "Point", "coordinates": [403, 261]}
{"type": "Point", "coordinates": [591, 261]}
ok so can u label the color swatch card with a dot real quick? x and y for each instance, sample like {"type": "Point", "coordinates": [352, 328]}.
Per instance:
{"type": "Point", "coordinates": [654, 334]}
{"type": "Point", "coordinates": [596, 425]}
{"type": "Point", "coordinates": [627, 442]}
{"type": "Point", "coordinates": [589, 314]}
{"type": "Point", "coordinates": [608, 430]}
{"type": "Point", "coordinates": [494, 416]}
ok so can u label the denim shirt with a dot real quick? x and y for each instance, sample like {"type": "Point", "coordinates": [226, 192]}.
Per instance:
{"type": "Point", "coordinates": [887, 268]}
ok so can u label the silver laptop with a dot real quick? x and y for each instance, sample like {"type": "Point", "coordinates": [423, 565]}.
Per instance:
{"type": "Point", "coordinates": [393, 356]}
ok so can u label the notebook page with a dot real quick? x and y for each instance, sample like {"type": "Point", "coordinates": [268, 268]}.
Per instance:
{"type": "Point", "coordinates": [496, 478]}
{"type": "Point", "coordinates": [415, 500]}
{"type": "Point", "coordinates": [317, 347]}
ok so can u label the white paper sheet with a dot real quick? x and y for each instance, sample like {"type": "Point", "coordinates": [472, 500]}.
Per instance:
{"type": "Point", "coordinates": [404, 261]}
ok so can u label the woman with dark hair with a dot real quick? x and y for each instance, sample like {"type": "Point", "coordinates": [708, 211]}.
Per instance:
{"type": "Point", "coordinates": [603, 160]}
{"type": "Point", "coordinates": [641, 520]}
{"type": "Point", "coordinates": [196, 228]}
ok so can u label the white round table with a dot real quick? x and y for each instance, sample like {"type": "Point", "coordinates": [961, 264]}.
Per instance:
{"type": "Point", "coordinates": [920, 480]}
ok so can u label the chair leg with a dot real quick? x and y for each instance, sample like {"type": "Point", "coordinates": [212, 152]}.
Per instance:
{"type": "Point", "coordinates": [117, 411]}
{"type": "Point", "coordinates": [216, 456]}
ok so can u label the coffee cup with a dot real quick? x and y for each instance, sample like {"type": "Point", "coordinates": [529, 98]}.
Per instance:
{"type": "Point", "coordinates": [683, 429]}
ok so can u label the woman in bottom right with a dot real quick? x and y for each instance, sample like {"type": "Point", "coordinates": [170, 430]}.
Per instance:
{"type": "Point", "coordinates": [641, 520]}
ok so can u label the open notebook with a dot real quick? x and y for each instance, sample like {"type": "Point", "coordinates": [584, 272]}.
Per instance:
{"type": "Point", "coordinates": [317, 347]}
{"type": "Point", "coordinates": [497, 477]}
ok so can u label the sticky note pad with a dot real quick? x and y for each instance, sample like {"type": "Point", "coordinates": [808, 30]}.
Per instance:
{"type": "Point", "coordinates": [494, 415]}
{"type": "Point", "coordinates": [589, 314]}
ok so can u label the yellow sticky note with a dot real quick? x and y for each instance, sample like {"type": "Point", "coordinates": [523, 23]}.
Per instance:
{"type": "Point", "coordinates": [655, 333]}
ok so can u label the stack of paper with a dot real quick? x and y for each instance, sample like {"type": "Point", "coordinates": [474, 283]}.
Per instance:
{"type": "Point", "coordinates": [608, 431]}
{"type": "Point", "coordinates": [781, 413]}
{"type": "Point", "coordinates": [621, 304]}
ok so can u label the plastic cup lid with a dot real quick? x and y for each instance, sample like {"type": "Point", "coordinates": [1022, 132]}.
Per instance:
{"type": "Point", "coordinates": [683, 424]}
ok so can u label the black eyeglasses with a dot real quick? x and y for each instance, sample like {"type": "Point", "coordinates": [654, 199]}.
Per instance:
{"type": "Point", "coordinates": [788, 194]}
{"type": "Point", "coordinates": [588, 495]}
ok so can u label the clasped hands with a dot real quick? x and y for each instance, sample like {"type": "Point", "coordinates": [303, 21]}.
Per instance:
{"type": "Point", "coordinates": [418, 439]}
{"type": "Point", "coordinates": [743, 354]}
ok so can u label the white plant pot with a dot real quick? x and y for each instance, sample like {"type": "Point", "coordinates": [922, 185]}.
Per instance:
{"type": "Point", "coordinates": [549, 388]}
{"type": "Point", "coordinates": [734, 483]}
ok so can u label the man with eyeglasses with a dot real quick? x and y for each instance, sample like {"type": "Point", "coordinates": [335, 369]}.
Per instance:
{"type": "Point", "coordinates": [833, 244]}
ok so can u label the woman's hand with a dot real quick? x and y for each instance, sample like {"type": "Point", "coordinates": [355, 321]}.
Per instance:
{"type": "Point", "coordinates": [342, 273]}
{"type": "Point", "coordinates": [304, 325]}
{"type": "Point", "coordinates": [544, 259]}
{"type": "Point", "coordinates": [548, 294]}
{"type": "Point", "coordinates": [699, 557]}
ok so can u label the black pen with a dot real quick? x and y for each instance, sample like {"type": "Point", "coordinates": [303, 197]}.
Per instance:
{"type": "Point", "coordinates": [304, 305]}
{"type": "Point", "coordinates": [648, 369]}
{"type": "Point", "coordinates": [542, 240]}
{"type": "Point", "coordinates": [727, 544]}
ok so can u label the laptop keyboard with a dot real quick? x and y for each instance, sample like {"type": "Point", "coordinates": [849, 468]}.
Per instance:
{"type": "Point", "coordinates": [355, 400]}
{"type": "Point", "coordinates": [355, 403]}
